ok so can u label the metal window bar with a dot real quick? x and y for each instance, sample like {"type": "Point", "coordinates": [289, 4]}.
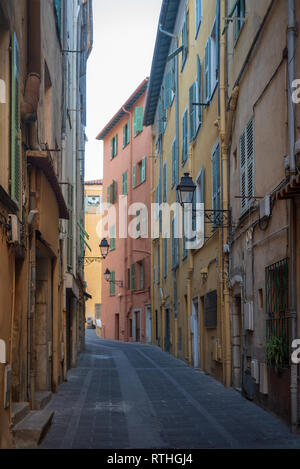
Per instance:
{"type": "Point", "coordinates": [277, 307]}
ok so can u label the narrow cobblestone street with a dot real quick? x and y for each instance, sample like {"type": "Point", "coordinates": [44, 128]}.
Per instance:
{"type": "Point", "coordinates": [135, 396]}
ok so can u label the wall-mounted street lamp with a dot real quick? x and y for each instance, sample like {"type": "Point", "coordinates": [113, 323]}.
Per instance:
{"type": "Point", "coordinates": [104, 249]}
{"type": "Point", "coordinates": [107, 276]}
{"type": "Point", "coordinates": [185, 193]}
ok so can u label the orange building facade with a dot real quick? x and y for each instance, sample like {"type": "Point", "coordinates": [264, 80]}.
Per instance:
{"type": "Point", "coordinates": [126, 308]}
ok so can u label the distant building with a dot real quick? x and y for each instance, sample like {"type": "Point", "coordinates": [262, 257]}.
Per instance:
{"type": "Point", "coordinates": [126, 310]}
{"type": "Point", "coordinates": [93, 264]}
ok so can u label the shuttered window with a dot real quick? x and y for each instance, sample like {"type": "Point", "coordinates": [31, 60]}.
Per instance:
{"type": "Point", "coordinates": [125, 183]}
{"type": "Point", "coordinates": [57, 7]}
{"type": "Point", "coordinates": [108, 194]}
{"type": "Point", "coordinates": [142, 275]}
{"type": "Point", "coordinates": [158, 263]}
{"type": "Point", "coordinates": [134, 176]}
{"type": "Point", "coordinates": [112, 237]}
{"type": "Point", "coordinates": [114, 192]}
{"type": "Point", "coordinates": [138, 224]}
{"type": "Point", "coordinates": [216, 183]}
{"type": "Point", "coordinates": [198, 7]}
{"type": "Point", "coordinates": [192, 111]}
{"type": "Point", "coordinates": [166, 267]}
{"type": "Point", "coordinates": [184, 238]}
{"type": "Point", "coordinates": [138, 120]}
{"type": "Point", "coordinates": [207, 71]}
{"type": "Point", "coordinates": [160, 117]}
{"type": "Point", "coordinates": [133, 276]}
{"type": "Point", "coordinates": [165, 182]}
{"type": "Point", "coordinates": [240, 12]}
{"type": "Point", "coordinates": [168, 93]}
{"type": "Point", "coordinates": [174, 164]}
{"type": "Point", "coordinates": [114, 146]}
{"type": "Point", "coordinates": [185, 39]}
{"type": "Point", "coordinates": [175, 246]}
{"type": "Point", "coordinates": [126, 134]}
{"type": "Point", "coordinates": [143, 170]}
{"type": "Point", "coordinates": [199, 92]}
{"type": "Point", "coordinates": [15, 189]}
{"type": "Point", "coordinates": [247, 166]}
{"type": "Point", "coordinates": [112, 285]}
{"type": "Point", "coordinates": [185, 137]}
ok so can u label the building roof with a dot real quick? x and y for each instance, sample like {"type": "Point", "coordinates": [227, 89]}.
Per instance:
{"type": "Point", "coordinates": [95, 182]}
{"type": "Point", "coordinates": [127, 105]}
{"type": "Point", "coordinates": [167, 20]}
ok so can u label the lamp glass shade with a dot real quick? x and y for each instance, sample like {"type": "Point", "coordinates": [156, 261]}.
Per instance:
{"type": "Point", "coordinates": [107, 275]}
{"type": "Point", "coordinates": [104, 247]}
{"type": "Point", "coordinates": [186, 190]}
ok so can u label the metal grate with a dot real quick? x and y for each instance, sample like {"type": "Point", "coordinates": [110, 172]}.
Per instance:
{"type": "Point", "coordinates": [277, 307]}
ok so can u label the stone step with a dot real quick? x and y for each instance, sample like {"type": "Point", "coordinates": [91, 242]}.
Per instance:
{"type": "Point", "coordinates": [19, 411]}
{"type": "Point", "coordinates": [29, 432]}
{"type": "Point", "coordinates": [41, 399]}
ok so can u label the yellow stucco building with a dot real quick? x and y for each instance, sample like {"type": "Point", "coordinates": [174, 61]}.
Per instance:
{"type": "Point", "coordinates": [188, 301]}
{"type": "Point", "coordinates": [93, 268]}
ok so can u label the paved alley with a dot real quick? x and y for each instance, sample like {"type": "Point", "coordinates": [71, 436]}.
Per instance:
{"type": "Point", "coordinates": [135, 396]}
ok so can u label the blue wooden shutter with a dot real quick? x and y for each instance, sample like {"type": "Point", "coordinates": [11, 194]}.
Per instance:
{"type": "Point", "coordinates": [57, 6]}
{"type": "Point", "coordinates": [138, 120]}
{"type": "Point", "coordinates": [216, 179]}
{"type": "Point", "coordinates": [173, 164]}
{"type": "Point", "coordinates": [200, 91]}
{"type": "Point", "coordinates": [165, 182]}
{"type": "Point", "coordinates": [192, 111]}
{"type": "Point", "coordinates": [15, 123]}
{"type": "Point", "coordinates": [198, 14]}
{"type": "Point", "coordinates": [218, 39]}
{"type": "Point", "coordinates": [207, 72]}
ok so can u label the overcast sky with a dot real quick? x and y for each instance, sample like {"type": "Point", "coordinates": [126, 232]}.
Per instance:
{"type": "Point", "coordinates": [124, 38]}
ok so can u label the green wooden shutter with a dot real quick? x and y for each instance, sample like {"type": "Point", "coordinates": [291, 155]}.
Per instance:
{"type": "Point", "coordinates": [112, 236]}
{"type": "Point", "coordinates": [134, 176]}
{"type": "Point", "coordinates": [57, 5]}
{"type": "Point", "coordinates": [143, 169]}
{"type": "Point", "coordinates": [124, 136]}
{"type": "Point", "coordinates": [111, 148]}
{"type": "Point", "coordinates": [142, 276]}
{"type": "Point", "coordinates": [116, 144]}
{"type": "Point", "coordinates": [15, 123]}
{"type": "Point", "coordinates": [138, 120]}
{"type": "Point", "coordinates": [207, 72]}
{"type": "Point", "coordinates": [250, 159]}
{"type": "Point", "coordinates": [128, 131]}
{"type": "Point", "coordinates": [112, 285]}
{"type": "Point", "coordinates": [133, 277]}
{"type": "Point", "coordinates": [124, 183]}
{"type": "Point", "coordinates": [108, 194]}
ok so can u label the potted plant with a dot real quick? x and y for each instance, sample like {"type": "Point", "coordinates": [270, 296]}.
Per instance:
{"type": "Point", "coordinates": [276, 352]}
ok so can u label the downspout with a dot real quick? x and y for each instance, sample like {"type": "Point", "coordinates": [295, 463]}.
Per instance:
{"type": "Point", "coordinates": [292, 214]}
{"type": "Point", "coordinates": [128, 240]}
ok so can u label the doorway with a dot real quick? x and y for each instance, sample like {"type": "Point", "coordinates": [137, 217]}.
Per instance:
{"type": "Point", "coordinates": [167, 329]}
{"type": "Point", "coordinates": [195, 332]}
{"type": "Point", "coordinates": [117, 327]}
{"type": "Point", "coordinates": [148, 325]}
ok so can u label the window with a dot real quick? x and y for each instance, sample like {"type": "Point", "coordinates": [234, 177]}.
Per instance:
{"type": "Point", "coordinates": [133, 276]}
{"type": "Point", "coordinates": [247, 166]}
{"type": "Point", "coordinates": [124, 183]}
{"type": "Point", "coordinates": [277, 309]}
{"type": "Point", "coordinates": [126, 134]}
{"type": "Point", "coordinates": [216, 180]}
{"type": "Point", "coordinates": [158, 263]}
{"type": "Point", "coordinates": [112, 192]}
{"type": "Point", "coordinates": [212, 61]}
{"type": "Point", "coordinates": [142, 170]}
{"type": "Point", "coordinates": [114, 146]}
{"type": "Point", "coordinates": [174, 164]}
{"type": "Point", "coordinates": [165, 182]}
{"type": "Point", "coordinates": [142, 275]}
{"type": "Point", "coordinates": [15, 188]}
{"type": "Point", "coordinates": [198, 7]}
{"type": "Point", "coordinates": [108, 194]}
{"type": "Point", "coordinates": [185, 39]}
{"type": "Point", "coordinates": [175, 246]}
{"type": "Point", "coordinates": [166, 267]}
{"type": "Point", "coordinates": [193, 111]}
{"type": "Point", "coordinates": [199, 89]}
{"type": "Point", "coordinates": [138, 121]}
{"type": "Point", "coordinates": [185, 137]}
{"type": "Point", "coordinates": [138, 224]}
{"type": "Point", "coordinates": [112, 236]}
{"type": "Point", "coordinates": [112, 285]}
{"type": "Point", "coordinates": [134, 176]}
{"type": "Point", "coordinates": [240, 12]}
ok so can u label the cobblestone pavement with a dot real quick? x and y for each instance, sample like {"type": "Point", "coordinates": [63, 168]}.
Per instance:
{"type": "Point", "coordinates": [136, 396]}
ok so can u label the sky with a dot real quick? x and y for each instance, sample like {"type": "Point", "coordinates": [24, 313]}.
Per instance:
{"type": "Point", "coordinates": [124, 39]}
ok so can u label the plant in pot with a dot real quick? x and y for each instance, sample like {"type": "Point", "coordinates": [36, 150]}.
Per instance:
{"type": "Point", "coordinates": [276, 352]}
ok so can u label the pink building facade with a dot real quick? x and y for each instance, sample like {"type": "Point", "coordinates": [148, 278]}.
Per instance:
{"type": "Point", "coordinates": [126, 308]}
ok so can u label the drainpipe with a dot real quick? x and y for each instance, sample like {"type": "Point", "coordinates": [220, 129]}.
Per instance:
{"type": "Point", "coordinates": [128, 240]}
{"type": "Point", "coordinates": [292, 230]}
